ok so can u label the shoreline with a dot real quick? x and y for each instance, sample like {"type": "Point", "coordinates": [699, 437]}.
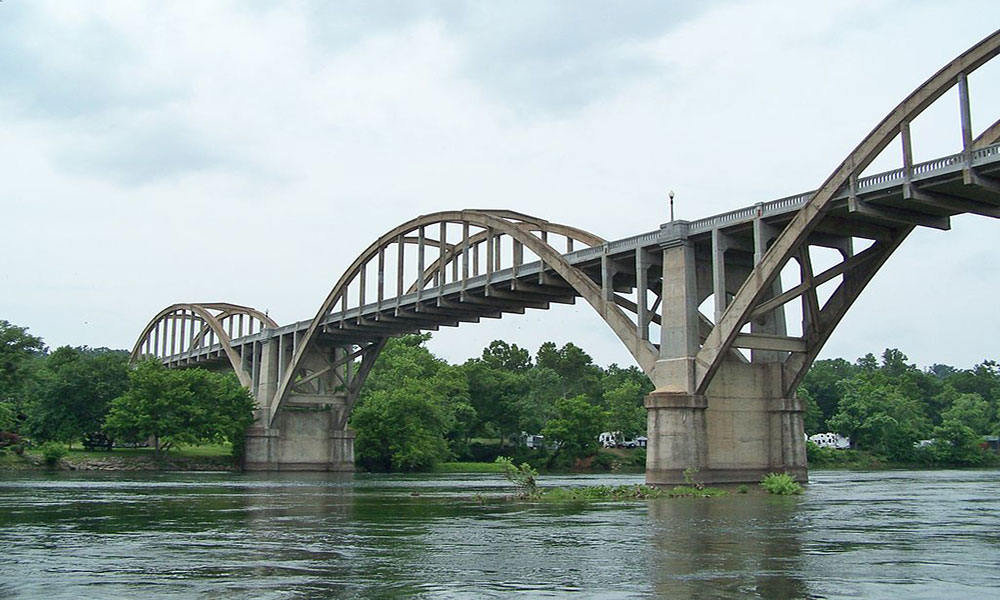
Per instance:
{"type": "Point", "coordinates": [10, 462]}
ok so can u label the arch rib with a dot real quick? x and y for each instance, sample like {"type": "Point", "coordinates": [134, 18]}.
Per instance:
{"type": "Point", "coordinates": [795, 234]}
{"type": "Point", "coordinates": [501, 223]}
{"type": "Point", "coordinates": [214, 323]}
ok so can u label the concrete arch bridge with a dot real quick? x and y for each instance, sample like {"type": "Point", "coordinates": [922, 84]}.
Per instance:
{"type": "Point", "coordinates": [725, 381]}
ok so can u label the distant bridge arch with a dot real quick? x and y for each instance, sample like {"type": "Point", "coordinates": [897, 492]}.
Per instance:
{"type": "Point", "coordinates": [181, 329]}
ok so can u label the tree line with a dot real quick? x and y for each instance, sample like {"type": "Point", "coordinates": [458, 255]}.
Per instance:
{"type": "Point", "coordinates": [69, 394]}
{"type": "Point", "coordinates": [416, 409]}
{"type": "Point", "coordinates": [888, 406]}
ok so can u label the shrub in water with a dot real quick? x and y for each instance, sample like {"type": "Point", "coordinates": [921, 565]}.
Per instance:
{"type": "Point", "coordinates": [742, 489]}
{"type": "Point", "coordinates": [781, 484]}
{"type": "Point", "coordinates": [523, 477]}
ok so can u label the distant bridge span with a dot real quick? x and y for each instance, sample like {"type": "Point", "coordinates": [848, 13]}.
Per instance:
{"type": "Point", "coordinates": [725, 382]}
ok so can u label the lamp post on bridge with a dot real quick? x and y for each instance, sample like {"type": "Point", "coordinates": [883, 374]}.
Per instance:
{"type": "Point", "coordinates": [671, 196]}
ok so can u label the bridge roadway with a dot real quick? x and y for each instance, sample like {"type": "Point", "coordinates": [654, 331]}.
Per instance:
{"type": "Point", "coordinates": [879, 201]}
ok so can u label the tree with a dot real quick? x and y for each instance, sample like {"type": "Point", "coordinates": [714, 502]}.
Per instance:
{"type": "Point", "coordinates": [17, 347]}
{"type": "Point", "coordinates": [575, 427]}
{"type": "Point", "coordinates": [878, 416]}
{"type": "Point", "coordinates": [71, 392]}
{"type": "Point", "coordinates": [410, 407]}
{"type": "Point", "coordinates": [813, 416]}
{"type": "Point", "coordinates": [579, 374]}
{"type": "Point", "coordinates": [968, 409]}
{"type": "Point", "coordinates": [510, 357]}
{"type": "Point", "coordinates": [821, 382]}
{"type": "Point", "coordinates": [181, 406]}
{"type": "Point", "coordinates": [626, 411]}
{"type": "Point", "coordinates": [956, 443]}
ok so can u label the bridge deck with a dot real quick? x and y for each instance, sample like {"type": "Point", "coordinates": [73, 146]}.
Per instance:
{"type": "Point", "coordinates": [536, 286]}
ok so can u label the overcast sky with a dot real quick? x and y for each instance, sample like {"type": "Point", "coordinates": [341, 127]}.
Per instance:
{"type": "Point", "coordinates": [247, 152]}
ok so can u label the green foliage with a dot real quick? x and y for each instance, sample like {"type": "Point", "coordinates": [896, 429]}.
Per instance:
{"type": "Point", "coordinates": [743, 489]}
{"type": "Point", "coordinates": [412, 405]}
{"type": "Point", "coordinates": [821, 386]}
{"type": "Point", "coordinates": [576, 370]}
{"type": "Point", "coordinates": [175, 407]}
{"type": "Point", "coordinates": [8, 416]}
{"type": "Point", "coordinates": [687, 491]}
{"type": "Point", "coordinates": [604, 493]}
{"type": "Point", "coordinates": [602, 461]}
{"type": "Point", "coordinates": [881, 415]}
{"type": "Point", "coordinates": [52, 452]}
{"type": "Point", "coordinates": [781, 484]}
{"type": "Point", "coordinates": [71, 391]}
{"type": "Point", "coordinates": [523, 476]}
{"type": "Point", "coordinates": [17, 348]}
{"type": "Point", "coordinates": [813, 419]}
{"type": "Point", "coordinates": [576, 427]}
{"type": "Point", "coordinates": [956, 444]}
{"type": "Point", "coordinates": [626, 412]}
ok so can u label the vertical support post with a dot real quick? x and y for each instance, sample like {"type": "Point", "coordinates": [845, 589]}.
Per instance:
{"type": "Point", "coordinates": [400, 255]}
{"type": "Point", "coordinates": [679, 340]}
{"type": "Point", "coordinates": [173, 334]}
{"type": "Point", "coordinates": [641, 289]}
{"type": "Point", "coordinates": [904, 134]}
{"type": "Point", "coordinates": [442, 271]}
{"type": "Point", "coordinates": [607, 277]}
{"type": "Point", "coordinates": [465, 253]}
{"type": "Point", "coordinates": [281, 357]}
{"type": "Point", "coordinates": [475, 260]}
{"type": "Point", "coordinates": [420, 262]}
{"type": "Point", "coordinates": [966, 112]}
{"type": "Point", "coordinates": [719, 273]}
{"type": "Point", "coordinates": [380, 290]}
{"type": "Point", "coordinates": [362, 284]}
{"type": "Point", "coordinates": [489, 254]}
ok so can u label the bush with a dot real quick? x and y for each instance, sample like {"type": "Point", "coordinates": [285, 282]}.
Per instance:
{"type": "Point", "coordinates": [742, 489]}
{"type": "Point", "coordinates": [52, 452]}
{"type": "Point", "coordinates": [781, 484]}
{"type": "Point", "coordinates": [523, 476]}
{"type": "Point", "coordinates": [602, 461]}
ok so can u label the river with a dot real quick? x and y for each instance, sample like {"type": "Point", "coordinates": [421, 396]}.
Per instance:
{"type": "Point", "coordinates": [918, 534]}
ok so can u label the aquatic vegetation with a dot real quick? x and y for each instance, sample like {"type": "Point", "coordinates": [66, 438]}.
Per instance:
{"type": "Point", "coordinates": [781, 484]}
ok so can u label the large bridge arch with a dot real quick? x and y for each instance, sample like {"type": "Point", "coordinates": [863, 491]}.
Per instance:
{"type": "Point", "coordinates": [481, 250]}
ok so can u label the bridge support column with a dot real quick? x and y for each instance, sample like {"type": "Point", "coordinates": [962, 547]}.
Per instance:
{"type": "Point", "coordinates": [736, 433]}
{"type": "Point", "coordinates": [303, 440]}
{"type": "Point", "coordinates": [308, 433]}
{"type": "Point", "coordinates": [742, 427]}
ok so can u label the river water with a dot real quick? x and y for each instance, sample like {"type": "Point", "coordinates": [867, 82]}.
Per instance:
{"type": "Point", "coordinates": [918, 534]}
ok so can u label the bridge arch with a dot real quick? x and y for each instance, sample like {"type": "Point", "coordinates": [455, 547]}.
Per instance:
{"type": "Point", "coordinates": [185, 328]}
{"type": "Point", "coordinates": [479, 253]}
{"type": "Point", "coordinates": [752, 299]}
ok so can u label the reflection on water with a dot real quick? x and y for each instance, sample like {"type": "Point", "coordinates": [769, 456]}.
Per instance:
{"type": "Point", "coordinates": [870, 535]}
{"type": "Point", "coordinates": [739, 545]}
